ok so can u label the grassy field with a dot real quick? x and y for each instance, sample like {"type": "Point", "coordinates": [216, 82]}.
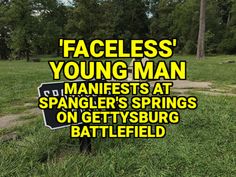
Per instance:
{"type": "Point", "coordinates": [202, 144]}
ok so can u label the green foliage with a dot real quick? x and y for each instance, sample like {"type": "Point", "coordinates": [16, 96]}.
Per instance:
{"type": "Point", "coordinates": [51, 26]}
{"type": "Point", "coordinates": [228, 43]}
{"type": "Point", "coordinates": [32, 27]}
{"type": "Point", "coordinates": [23, 24]}
{"type": "Point", "coordinates": [107, 19]}
{"type": "Point", "coordinates": [84, 19]}
{"type": "Point", "coordinates": [180, 19]}
{"type": "Point", "coordinates": [4, 29]}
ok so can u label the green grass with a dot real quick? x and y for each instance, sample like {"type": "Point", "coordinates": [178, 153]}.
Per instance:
{"type": "Point", "coordinates": [19, 81]}
{"type": "Point", "coordinates": [202, 144]}
{"type": "Point", "coordinates": [211, 69]}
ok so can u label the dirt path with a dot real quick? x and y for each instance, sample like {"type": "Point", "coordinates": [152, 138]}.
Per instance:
{"type": "Point", "coordinates": [191, 85]}
{"type": "Point", "coordinates": [17, 119]}
{"type": "Point", "coordinates": [186, 84]}
{"type": "Point", "coordinates": [184, 87]}
{"type": "Point", "coordinates": [13, 120]}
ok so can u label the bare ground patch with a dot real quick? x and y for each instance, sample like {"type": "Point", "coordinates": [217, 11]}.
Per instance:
{"type": "Point", "coordinates": [184, 87]}
{"type": "Point", "coordinates": [12, 120]}
{"type": "Point", "coordinates": [186, 84]}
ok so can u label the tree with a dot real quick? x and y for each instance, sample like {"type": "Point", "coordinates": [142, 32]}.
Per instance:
{"type": "Point", "coordinates": [202, 28]}
{"type": "Point", "coordinates": [228, 40]}
{"type": "Point", "coordinates": [84, 19]}
{"type": "Point", "coordinates": [176, 18]}
{"type": "Point", "coordinates": [23, 25]}
{"type": "Point", "coordinates": [51, 21]}
{"type": "Point", "coordinates": [163, 18]}
{"type": "Point", "coordinates": [124, 19]}
{"type": "Point", "coordinates": [4, 30]}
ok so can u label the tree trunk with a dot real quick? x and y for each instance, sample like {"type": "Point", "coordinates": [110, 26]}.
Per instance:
{"type": "Point", "coordinates": [201, 34]}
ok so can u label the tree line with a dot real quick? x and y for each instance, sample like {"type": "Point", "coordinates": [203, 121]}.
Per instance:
{"type": "Point", "coordinates": [32, 27]}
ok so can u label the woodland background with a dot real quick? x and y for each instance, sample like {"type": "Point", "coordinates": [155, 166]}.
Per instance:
{"type": "Point", "coordinates": [32, 27]}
